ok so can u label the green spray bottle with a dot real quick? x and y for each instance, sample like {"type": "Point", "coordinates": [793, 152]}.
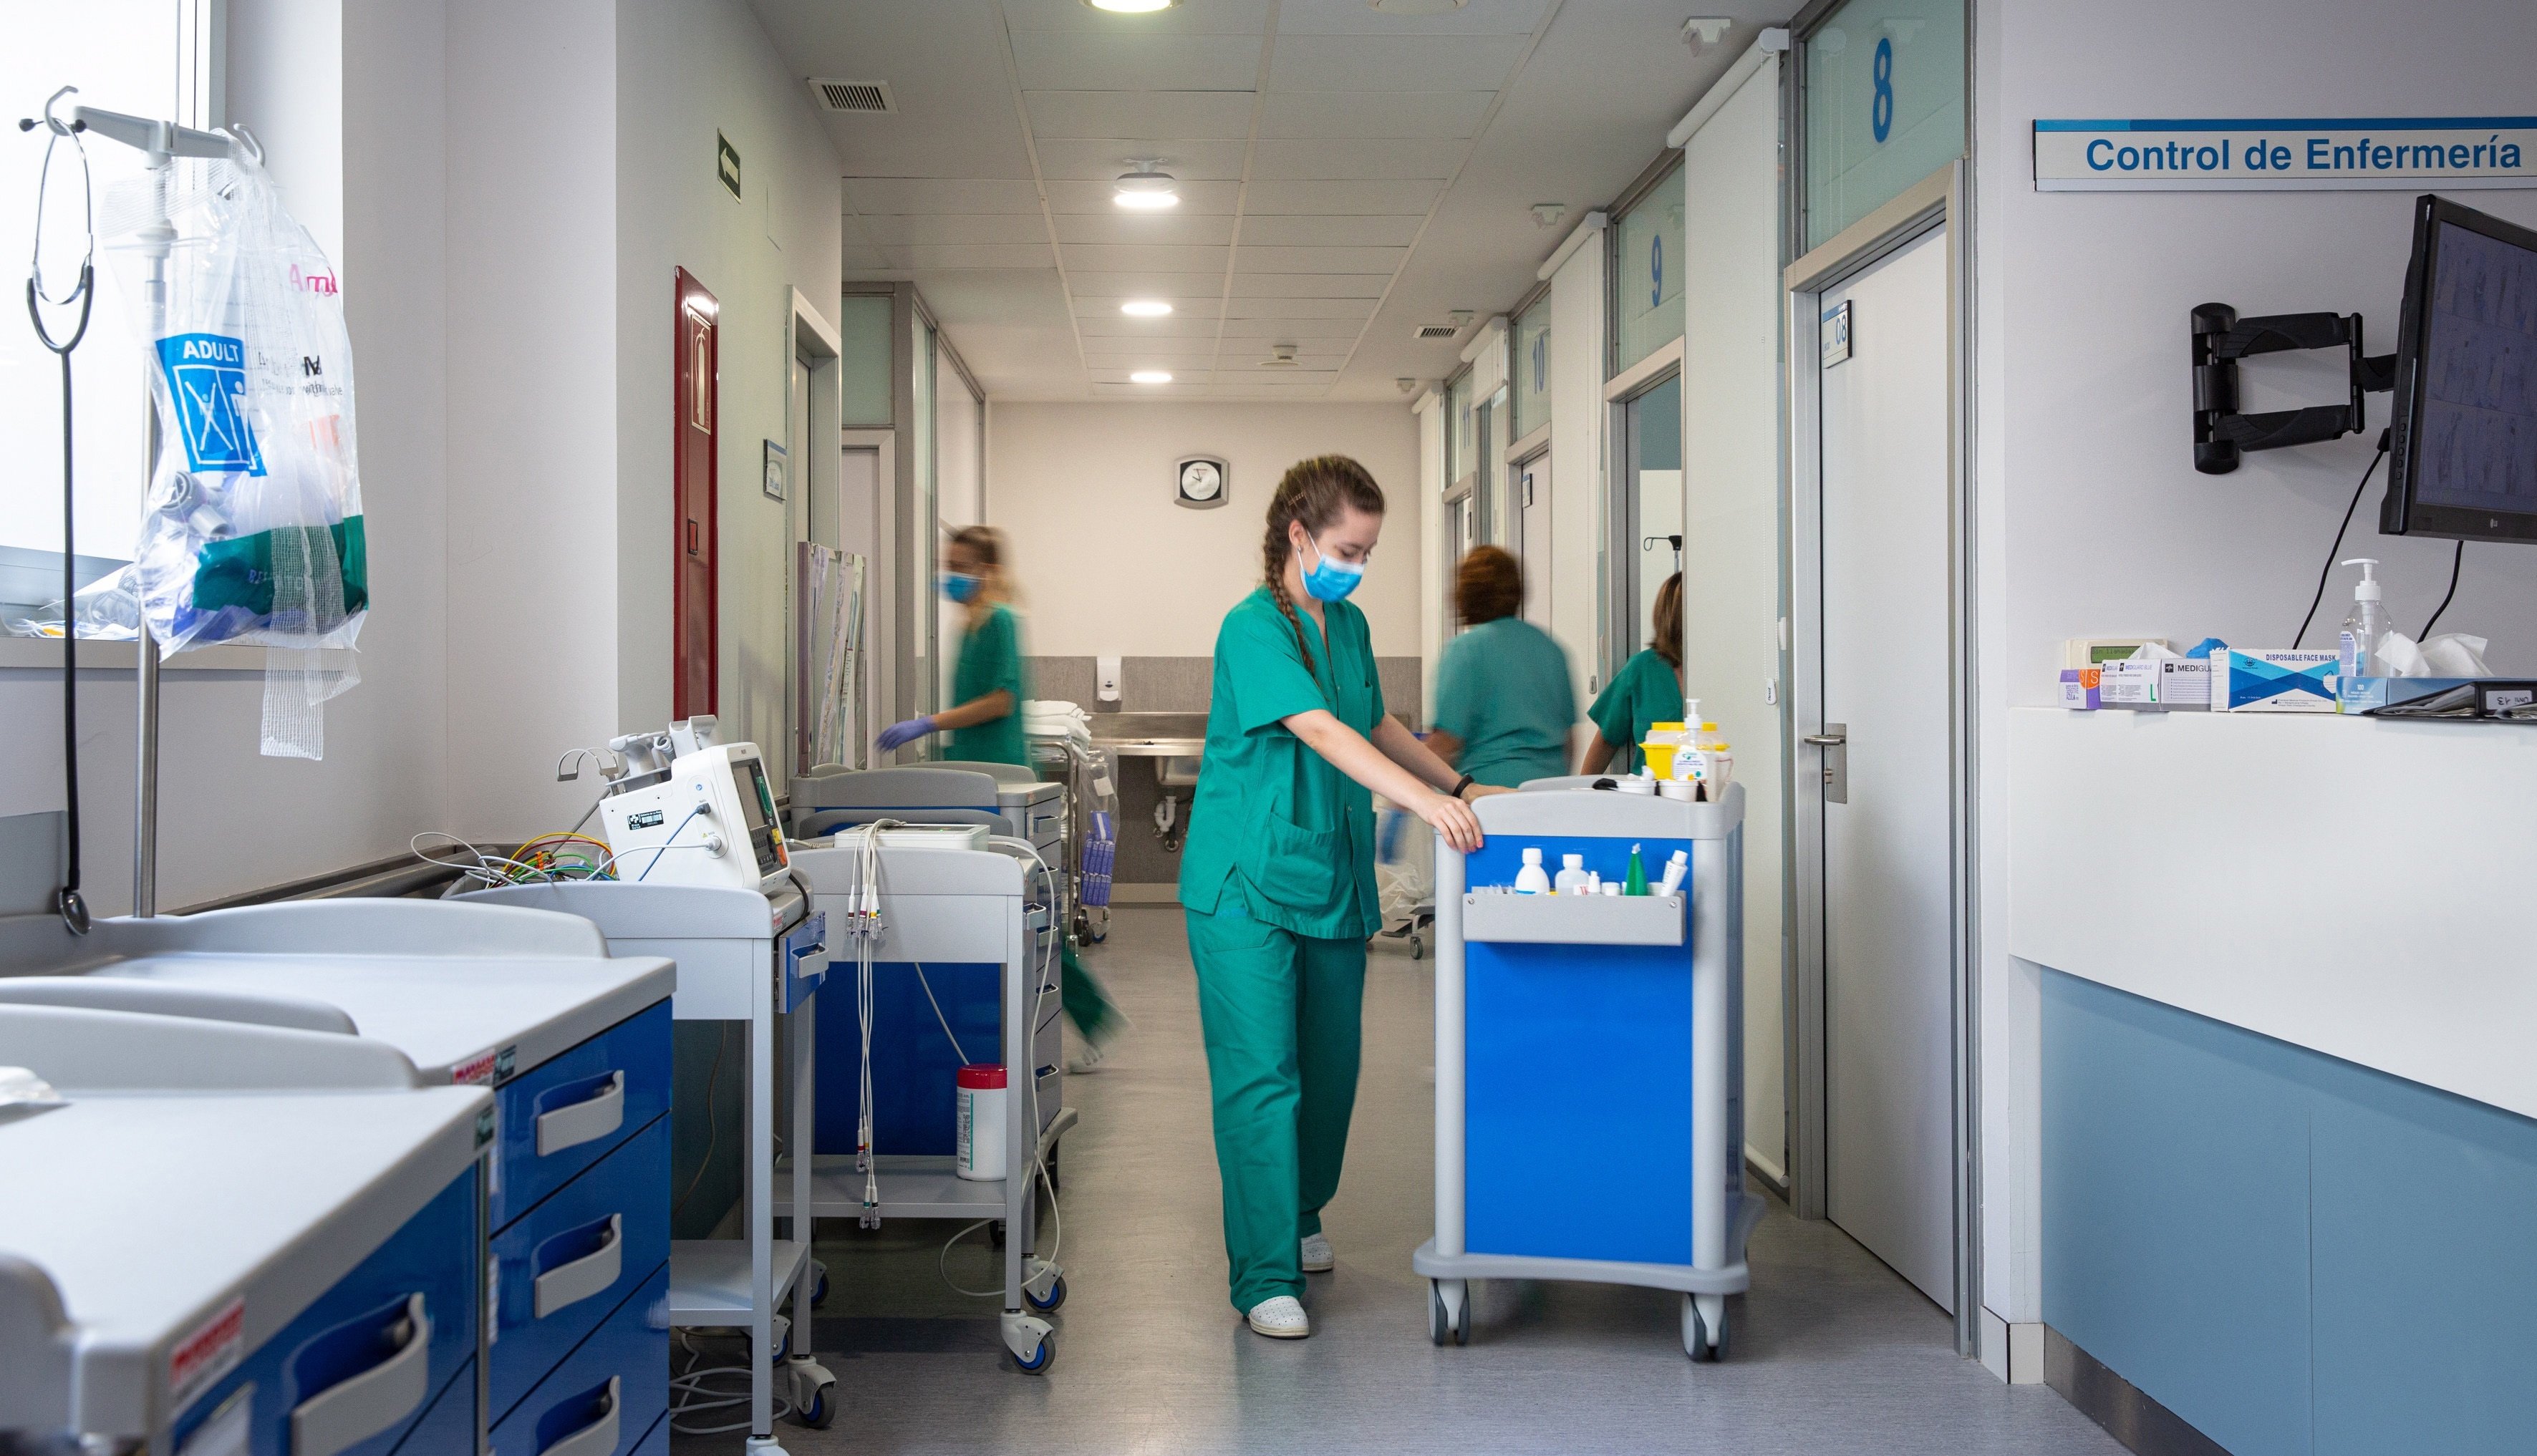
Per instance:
{"type": "Point", "coordinates": [1636, 882]}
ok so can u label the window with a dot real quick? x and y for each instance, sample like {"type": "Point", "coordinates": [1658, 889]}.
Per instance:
{"type": "Point", "coordinates": [1884, 105]}
{"type": "Point", "coordinates": [1647, 273]}
{"type": "Point", "coordinates": [862, 327]}
{"type": "Point", "coordinates": [1529, 368]}
{"type": "Point", "coordinates": [1461, 450]}
{"type": "Point", "coordinates": [124, 55]}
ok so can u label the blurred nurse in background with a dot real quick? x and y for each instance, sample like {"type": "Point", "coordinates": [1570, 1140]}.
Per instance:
{"type": "Point", "coordinates": [1647, 691]}
{"type": "Point", "coordinates": [1504, 703]}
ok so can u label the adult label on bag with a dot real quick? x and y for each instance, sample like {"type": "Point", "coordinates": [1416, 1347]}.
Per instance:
{"type": "Point", "coordinates": [207, 380]}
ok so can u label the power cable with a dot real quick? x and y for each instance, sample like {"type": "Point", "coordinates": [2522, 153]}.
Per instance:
{"type": "Point", "coordinates": [2337, 549]}
{"type": "Point", "coordinates": [2455, 562]}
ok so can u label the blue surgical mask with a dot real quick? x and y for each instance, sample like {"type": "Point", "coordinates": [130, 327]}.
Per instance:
{"type": "Point", "coordinates": [1328, 580]}
{"type": "Point", "coordinates": [959, 588]}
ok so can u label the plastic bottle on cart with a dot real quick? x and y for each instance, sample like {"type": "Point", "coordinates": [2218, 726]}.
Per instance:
{"type": "Point", "coordinates": [2367, 624]}
{"type": "Point", "coordinates": [1532, 879]}
{"type": "Point", "coordinates": [1636, 881]}
{"type": "Point", "coordinates": [1571, 879]}
{"type": "Point", "coordinates": [1675, 871]}
{"type": "Point", "coordinates": [980, 1140]}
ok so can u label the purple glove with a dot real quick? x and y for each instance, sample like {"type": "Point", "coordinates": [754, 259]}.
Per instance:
{"type": "Point", "coordinates": [903, 732]}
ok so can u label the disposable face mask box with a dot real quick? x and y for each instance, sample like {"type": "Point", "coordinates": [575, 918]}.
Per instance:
{"type": "Point", "coordinates": [2273, 682]}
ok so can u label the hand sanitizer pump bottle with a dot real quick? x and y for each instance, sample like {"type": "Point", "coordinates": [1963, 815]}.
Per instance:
{"type": "Point", "coordinates": [2367, 624]}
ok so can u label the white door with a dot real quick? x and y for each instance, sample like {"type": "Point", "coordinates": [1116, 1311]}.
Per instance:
{"type": "Point", "coordinates": [1888, 1055]}
{"type": "Point", "coordinates": [1533, 538]}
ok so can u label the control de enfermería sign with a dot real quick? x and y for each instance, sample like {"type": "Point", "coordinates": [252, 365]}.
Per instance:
{"type": "Point", "coordinates": [2405, 153]}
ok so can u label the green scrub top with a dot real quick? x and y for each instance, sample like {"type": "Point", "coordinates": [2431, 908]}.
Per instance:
{"type": "Point", "coordinates": [1298, 831]}
{"type": "Point", "coordinates": [990, 658]}
{"type": "Point", "coordinates": [1644, 693]}
{"type": "Point", "coordinates": [1501, 688]}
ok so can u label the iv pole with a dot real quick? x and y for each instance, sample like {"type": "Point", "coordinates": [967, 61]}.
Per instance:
{"type": "Point", "coordinates": [160, 143]}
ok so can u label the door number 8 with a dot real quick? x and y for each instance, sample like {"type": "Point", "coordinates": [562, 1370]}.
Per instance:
{"type": "Point", "coordinates": [1880, 112]}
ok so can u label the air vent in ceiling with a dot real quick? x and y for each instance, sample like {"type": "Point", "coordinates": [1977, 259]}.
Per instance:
{"type": "Point", "coordinates": [1439, 331]}
{"type": "Point", "coordinates": [853, 96]}
{"type": "Point", "coordinates": [1280, 356]}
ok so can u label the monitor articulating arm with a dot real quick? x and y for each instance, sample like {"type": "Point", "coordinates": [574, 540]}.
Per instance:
{"type": "Point", "coordinates": [2221, 339]}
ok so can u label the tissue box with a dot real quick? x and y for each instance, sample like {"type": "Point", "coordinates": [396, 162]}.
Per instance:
{"type": "Point", "coordinates": [2185, 684]}
{"type": "Point", "coordinates": [2361, 694]}
{"type": "Point", "coordinates": [2271, 681]}
{"type": "Point", "coordinates": [2079, 687]}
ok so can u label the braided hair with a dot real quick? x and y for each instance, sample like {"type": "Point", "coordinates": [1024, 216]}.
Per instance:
{"type": "Point", "coordinates": [1316, 492]}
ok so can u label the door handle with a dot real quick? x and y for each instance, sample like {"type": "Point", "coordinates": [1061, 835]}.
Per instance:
{"type": "Point", "coordinates": [1834, 740]}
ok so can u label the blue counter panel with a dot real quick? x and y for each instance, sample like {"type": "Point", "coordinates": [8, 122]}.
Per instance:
{"type": "Point", "coordinates": [2292, 1253]}
{"type": "Point", "coordinates": [915, 1109]}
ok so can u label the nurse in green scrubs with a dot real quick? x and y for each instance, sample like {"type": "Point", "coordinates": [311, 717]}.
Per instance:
{"type": "Point", "coordinates": [988, 690]}
{"type": "Point", "coordinates": [1504, 703]}
{"type": "Point", "coordinates": [1277, 876]}
{"type": "Point", "coordinates": [1647, 691]}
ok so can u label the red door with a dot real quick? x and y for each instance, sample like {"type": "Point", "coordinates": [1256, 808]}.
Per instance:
{"type": "Point", "coordinates": [694, 595]}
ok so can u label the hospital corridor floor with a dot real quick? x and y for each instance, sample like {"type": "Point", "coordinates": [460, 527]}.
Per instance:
{"type": "Point", "coordinates": [1832, 1352]}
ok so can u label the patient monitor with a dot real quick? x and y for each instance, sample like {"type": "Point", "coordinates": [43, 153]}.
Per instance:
{"type": "Point", "coordinates": [710, 821]}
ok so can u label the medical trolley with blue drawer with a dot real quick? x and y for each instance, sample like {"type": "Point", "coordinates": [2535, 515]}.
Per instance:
{"type": "Point", "coordinates": [1589, 1059]}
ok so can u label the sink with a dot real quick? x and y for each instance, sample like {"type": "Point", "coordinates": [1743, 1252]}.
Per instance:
{"type": "Point", "coordinates": [1150, 735]}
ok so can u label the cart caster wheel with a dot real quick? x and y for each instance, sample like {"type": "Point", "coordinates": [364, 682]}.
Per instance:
{"type": "Point", "coordinates": [1703, 1337]}
{"type": "Point", "coordinates": [1449, 1316]}
{"type": "Point", "coordinates": [812, 1392]}
{"type": "Point", "coordinates": [761, 1445]}
{"type": "Point", "coordinates": [1417, 948]}
{"type": "Point", "coordinates": [1030, 1341]}
{"type": "Point", "coordinates": [819, 1288]}
{"type": "Point", "coordinates": [1055, 1297]}
{"type": "Point", "coordinates": [996, 1234]}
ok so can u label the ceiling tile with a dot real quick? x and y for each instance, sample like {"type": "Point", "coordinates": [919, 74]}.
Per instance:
{"type": "Point", "coordinates": [1101, 159]}
{"type": "Point", "coordinates": [1392, 63]}
{"type": "Point", "coordinates": [1094, 197]}
{"type": "Point", "coordinates": [1149, 257]}
{"type": "Point", "coordinates": [1306, 336]}
{"type": "Point", "coordinates": [1130, 228]}
{"type": "Point", "coordinates": [975, 297]}
{"type": "Point", "coordinates": [1323, 230]}
{"type": "Point", "coordinates": [955, 227]}
{"type": "Point", "coordinates": [1310, 285]}
{"type": "Point", "coordinates": [1366, 113]}
{"type": "Point", "coordinates": [1274, 259]}
{"type": "Point", "coordinates": [1353, 311]}
{"type": "Point", "coordinates": [940, 195]}
{"type": "Point", "coordinates": [1090, 60]}
{"type": "Point", "coordinates": [1182, 363]}
{"type": "Point", "coordinates": [857, 257]}
{"type": "Point", "coordinates": [1370, 158]}
{"type": "Point", "coordinates": [1292, 199]}
{"type": "Point", "coordinates": [1176, 287]}
{"type": "Point", "coordinates": [1141, 113]}
{"type": "Point", "coordinates": [1356, 18]}
{"type": "Point", "coordinates": [969, 255]}
{"type": "Point", "coordinates": [1196, 17]}
{"type": "Point", "coordinates": [1115, 327]}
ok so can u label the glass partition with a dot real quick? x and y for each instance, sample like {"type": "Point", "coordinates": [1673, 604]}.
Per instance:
{"type": "Point", "coordinates": [864, 359]}
{"type": "Point", "coordinates": [1884, 105]}
{"type": "Point", "coordinates": [1460, 450]}
{"type": "Point", "coordinates": [1647, 272]}
{"type": "Point", "coordinates": [1529, 368]}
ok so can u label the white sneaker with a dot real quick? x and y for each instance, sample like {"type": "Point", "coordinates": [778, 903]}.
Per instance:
{"type": "Point", "coordinates": [1086, 1060]}
{"type": "Point", "coordinates": [1280, 1318]}
{"type": "Point", "coordinates": [1315, 1254]}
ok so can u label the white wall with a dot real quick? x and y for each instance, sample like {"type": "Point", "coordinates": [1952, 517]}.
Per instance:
{"type": "Point", "coordinates": [1110, 566]}
{"type": "Point", "coordinates": [1577, 461]}
{"type": "Point", "coordinates": [2095, 521]}
{"type": "Point", "coordinates": [1731, 379]}
{"type": "Point", "coordinates": [687, 70]}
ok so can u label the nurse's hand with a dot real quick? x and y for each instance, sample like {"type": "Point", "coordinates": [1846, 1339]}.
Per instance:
{"type": "Point", "coordinates": [1451, 819]}
{"type": "Point", "coordinates": [898, 733]}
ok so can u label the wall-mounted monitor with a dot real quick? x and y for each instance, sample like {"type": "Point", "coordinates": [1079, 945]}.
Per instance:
{"type": "Point", "coordinates": [2463, 438]}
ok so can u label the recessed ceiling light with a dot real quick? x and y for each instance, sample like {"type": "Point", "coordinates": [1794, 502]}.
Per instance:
{"type": "Point", "coordinates": [1415, 7]}
{"type": "Point", "coordinates": [1145, 309]}
{"type": "Point", "coordinates": [1150, 376]}
{"type": "Point", "coordinates": [1145, 190]}
{"type": "Point", "coordinates": [1131, 7]}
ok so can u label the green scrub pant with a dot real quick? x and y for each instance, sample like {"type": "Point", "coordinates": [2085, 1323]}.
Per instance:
{"type": "Point", "coordinates": [1086, 1002]}
{"type": "Point", "coordinates": [1283, 1017]}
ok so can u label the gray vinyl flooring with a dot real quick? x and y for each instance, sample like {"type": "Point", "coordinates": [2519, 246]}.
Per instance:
{"type": "Point", "coordinates": [1831, 1351]}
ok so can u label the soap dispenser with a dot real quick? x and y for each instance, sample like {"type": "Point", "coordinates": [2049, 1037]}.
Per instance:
{"type": "Point", "coordinates": [2366, 625]}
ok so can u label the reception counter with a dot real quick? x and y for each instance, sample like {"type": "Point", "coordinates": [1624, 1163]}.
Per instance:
{"type": "Point", "coordinates": [2289, 1071]}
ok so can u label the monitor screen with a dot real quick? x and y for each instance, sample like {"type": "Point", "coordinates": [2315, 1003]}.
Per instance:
{"type": "Point", "coordinates": [758, 815]}
{"type": "Point", "coordinates": [2465, 441]}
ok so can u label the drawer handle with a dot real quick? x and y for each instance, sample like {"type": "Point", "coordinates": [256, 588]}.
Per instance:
{"type": "Point", "coordinates": [571, 1283]}
{"type": "Point", "coordinates": [584, 1122]}
{"type": "Point", "coordinates": [354, 1409]}
{"type": "Point", "coordinates": [599, 1437]}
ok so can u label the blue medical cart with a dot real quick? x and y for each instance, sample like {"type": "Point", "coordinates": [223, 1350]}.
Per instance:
{"type": "Point", "coordinates": [252, 1240]}
{"type": "Point", "coordinates": [1589, 1060]}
